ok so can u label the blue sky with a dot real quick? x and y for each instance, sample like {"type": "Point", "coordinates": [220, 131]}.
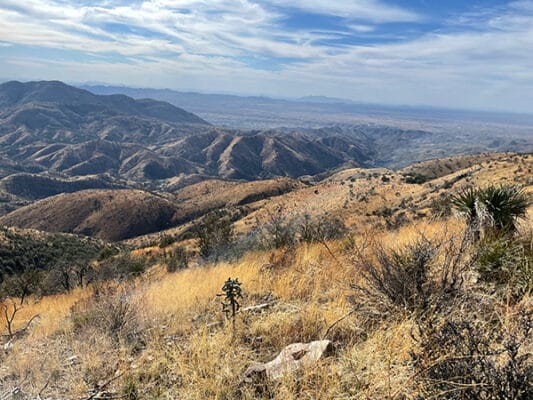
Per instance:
{"type": "Point", "coordinates": [474, 54]}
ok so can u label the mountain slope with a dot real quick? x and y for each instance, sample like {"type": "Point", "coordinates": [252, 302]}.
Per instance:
{"type": "Point", "coordinates": [105, 214]}
{"type": "Point", "coordinates": [83, 103]}
{"type": "Point", "coordinates": [50, 128]}
{"type": "Point", "coordinates": [35, 187]}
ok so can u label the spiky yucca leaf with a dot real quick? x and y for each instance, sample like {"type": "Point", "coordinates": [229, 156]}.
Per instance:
{"type": "Point", "coordinates": [505, 204]}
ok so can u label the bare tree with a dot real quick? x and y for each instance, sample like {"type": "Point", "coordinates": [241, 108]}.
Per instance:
{"type": "Point", "coordinates": [9, 311]}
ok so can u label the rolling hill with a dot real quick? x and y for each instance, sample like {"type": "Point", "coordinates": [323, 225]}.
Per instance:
{"type": "Point", "coordinates": [119, 214]}
{"type": "Point", "coordinates": [105, 214]}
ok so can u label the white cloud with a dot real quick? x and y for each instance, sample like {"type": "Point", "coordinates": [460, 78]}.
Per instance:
{"type": "Point", "coordinates": [369, 10]}
{"type": "Point", "coordinates": [211, 45]}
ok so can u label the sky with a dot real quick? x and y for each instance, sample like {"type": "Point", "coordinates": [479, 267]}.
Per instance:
{"type": "Point", "coordinates": [469, 54]}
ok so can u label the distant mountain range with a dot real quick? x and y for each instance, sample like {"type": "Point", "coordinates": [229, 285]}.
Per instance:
{"type": "Point", "coordinates": [314, 111]}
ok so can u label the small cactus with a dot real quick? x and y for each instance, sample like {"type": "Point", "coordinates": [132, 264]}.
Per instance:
{"type": "Point", "coordinates": [232, 291]}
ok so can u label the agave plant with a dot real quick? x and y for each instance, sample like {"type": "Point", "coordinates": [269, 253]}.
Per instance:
{"type": "Point", "coordinates": [494, 209]}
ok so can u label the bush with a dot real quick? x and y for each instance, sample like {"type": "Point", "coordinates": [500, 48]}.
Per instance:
{"type": "Point", "coordinates": [215, 234]}
{"type": "Point", "coordinates": [121, 266]}
{"type": "Point", "coordinates": [166, 240]}
{"type": "Point", "coordinates": [108, 310]}
{"type": "Point", "coordinates": [178, 260]}
{"type": "Point", "coordinates": [468, 358]}
{"type": "Point", "coordinates": [280, 230]}
{"type": "Point", "coordinates": [64, 277]}
{"type": "Point", "coordinates": [415, 178]}
{"type": "Point", "coordinates": [325, 227]}
{"type": "Point", "coordinates": [508, 264]}
{"type": "Point", "coordinates": [21, 285]}
{"type": "Point", "coordinates": [441, 207]}
{"type": "Point", "coordinates": [107, 252]}
{"type": "Point", "coordinates": [410, 279]}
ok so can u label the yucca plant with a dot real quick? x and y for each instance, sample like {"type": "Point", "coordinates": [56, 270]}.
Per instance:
{"type": "Point", "coordinates": [466, 204]}
{"type": "Point", "coordinates": [505, 205]}
{"type": "Point", "coordinates": [494, 209]}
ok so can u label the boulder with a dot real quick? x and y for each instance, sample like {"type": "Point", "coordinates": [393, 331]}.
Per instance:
{"type": "Point", "coordinates": [291, 358]}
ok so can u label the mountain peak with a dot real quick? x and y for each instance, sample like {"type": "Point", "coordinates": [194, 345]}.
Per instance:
{"type": "Point", "coordinates": [16, 94]}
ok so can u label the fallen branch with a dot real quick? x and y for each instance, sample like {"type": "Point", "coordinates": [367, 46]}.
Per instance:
{"type": "Point", "coordinates": [22, 330]}
{"type": "Point", "coordinates": [336, 322]}
{"type": "Point", "coordinates": [102, 386]}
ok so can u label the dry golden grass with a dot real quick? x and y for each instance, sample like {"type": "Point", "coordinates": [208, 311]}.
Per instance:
{"type": "Point", "coordinates": [184, 348]}
{"type": "Point", "coordinates": [51, 312]}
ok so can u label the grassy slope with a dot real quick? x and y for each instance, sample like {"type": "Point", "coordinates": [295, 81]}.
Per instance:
{"type": "Point", "coordinates": [183, 358]}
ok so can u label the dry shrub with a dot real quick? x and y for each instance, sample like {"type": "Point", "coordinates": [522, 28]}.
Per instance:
{"type": "Point", "coordinates": [109, 310]}
{"type": "Point", "coordinates": [421, 278]}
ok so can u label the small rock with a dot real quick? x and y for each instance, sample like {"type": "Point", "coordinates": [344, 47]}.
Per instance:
{"type": "Point", "coordinates": [73, 360]}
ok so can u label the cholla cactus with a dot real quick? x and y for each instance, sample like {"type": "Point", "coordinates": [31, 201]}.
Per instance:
{"type": "Point", "coordinates": [232, 291]}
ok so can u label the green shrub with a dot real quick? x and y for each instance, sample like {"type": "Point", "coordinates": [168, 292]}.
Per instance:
{"type": "Point", "coordinates": [166, 240]}
{"type": "Point", "coordinates": [508, 264]}
{"type": "Point", "coordinates": [415, 178]}
{"type": "Point", "coordinates": [215, 234]}
{"type": "Point", "coordinates": [122, 266]}
{"type": "Point", "coordinates": [179, 260]}
{"type": "Point", "coordinates": [107, 252]}
{"type": "Point", "coordinates": [493, 210]}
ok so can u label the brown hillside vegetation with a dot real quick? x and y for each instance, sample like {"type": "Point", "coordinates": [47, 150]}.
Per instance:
{"type": "Point", "coordinates": [105, 214]}
{"type": "Point", "coordinates": [200, 198]}
{"type": "Point", "coordinates": [123, 214]}
{"type": "Point", "coordinates": [414, 308]}
{"type": "Point", "coordinates": [33, 187]}
{"type": "Point", "coordinates": [357, 196]}
{"type": "Point", "coordinates": [440, 167]}
{"type": "Point", "coordinates": [384, 197]}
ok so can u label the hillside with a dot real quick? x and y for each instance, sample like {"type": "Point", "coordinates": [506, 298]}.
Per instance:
{"type": "Point", "coordinates": [359, 197]}
{"type": "Point", "coordinates": [440, 167]}
{"type": "Point", "coordinates": [198, 199]}
{"type": "Point", "coordinates": [27, 250]}
{"type": "Point", "coordinates": [105, 214]}
{"type": "Point", "coordinates": [36, 187]}
{"type": "Point", "coordinates": [122, 214]}
{"type": "Point", "coordinates": [81, 103]}
{"type": "Point", "coordinates": [412, 306]}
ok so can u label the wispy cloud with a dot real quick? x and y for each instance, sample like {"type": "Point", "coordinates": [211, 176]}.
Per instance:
{"type": "Point", "coordinates": [368, 10]}
{"type": "Point", "coordinates": [369, 50]}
